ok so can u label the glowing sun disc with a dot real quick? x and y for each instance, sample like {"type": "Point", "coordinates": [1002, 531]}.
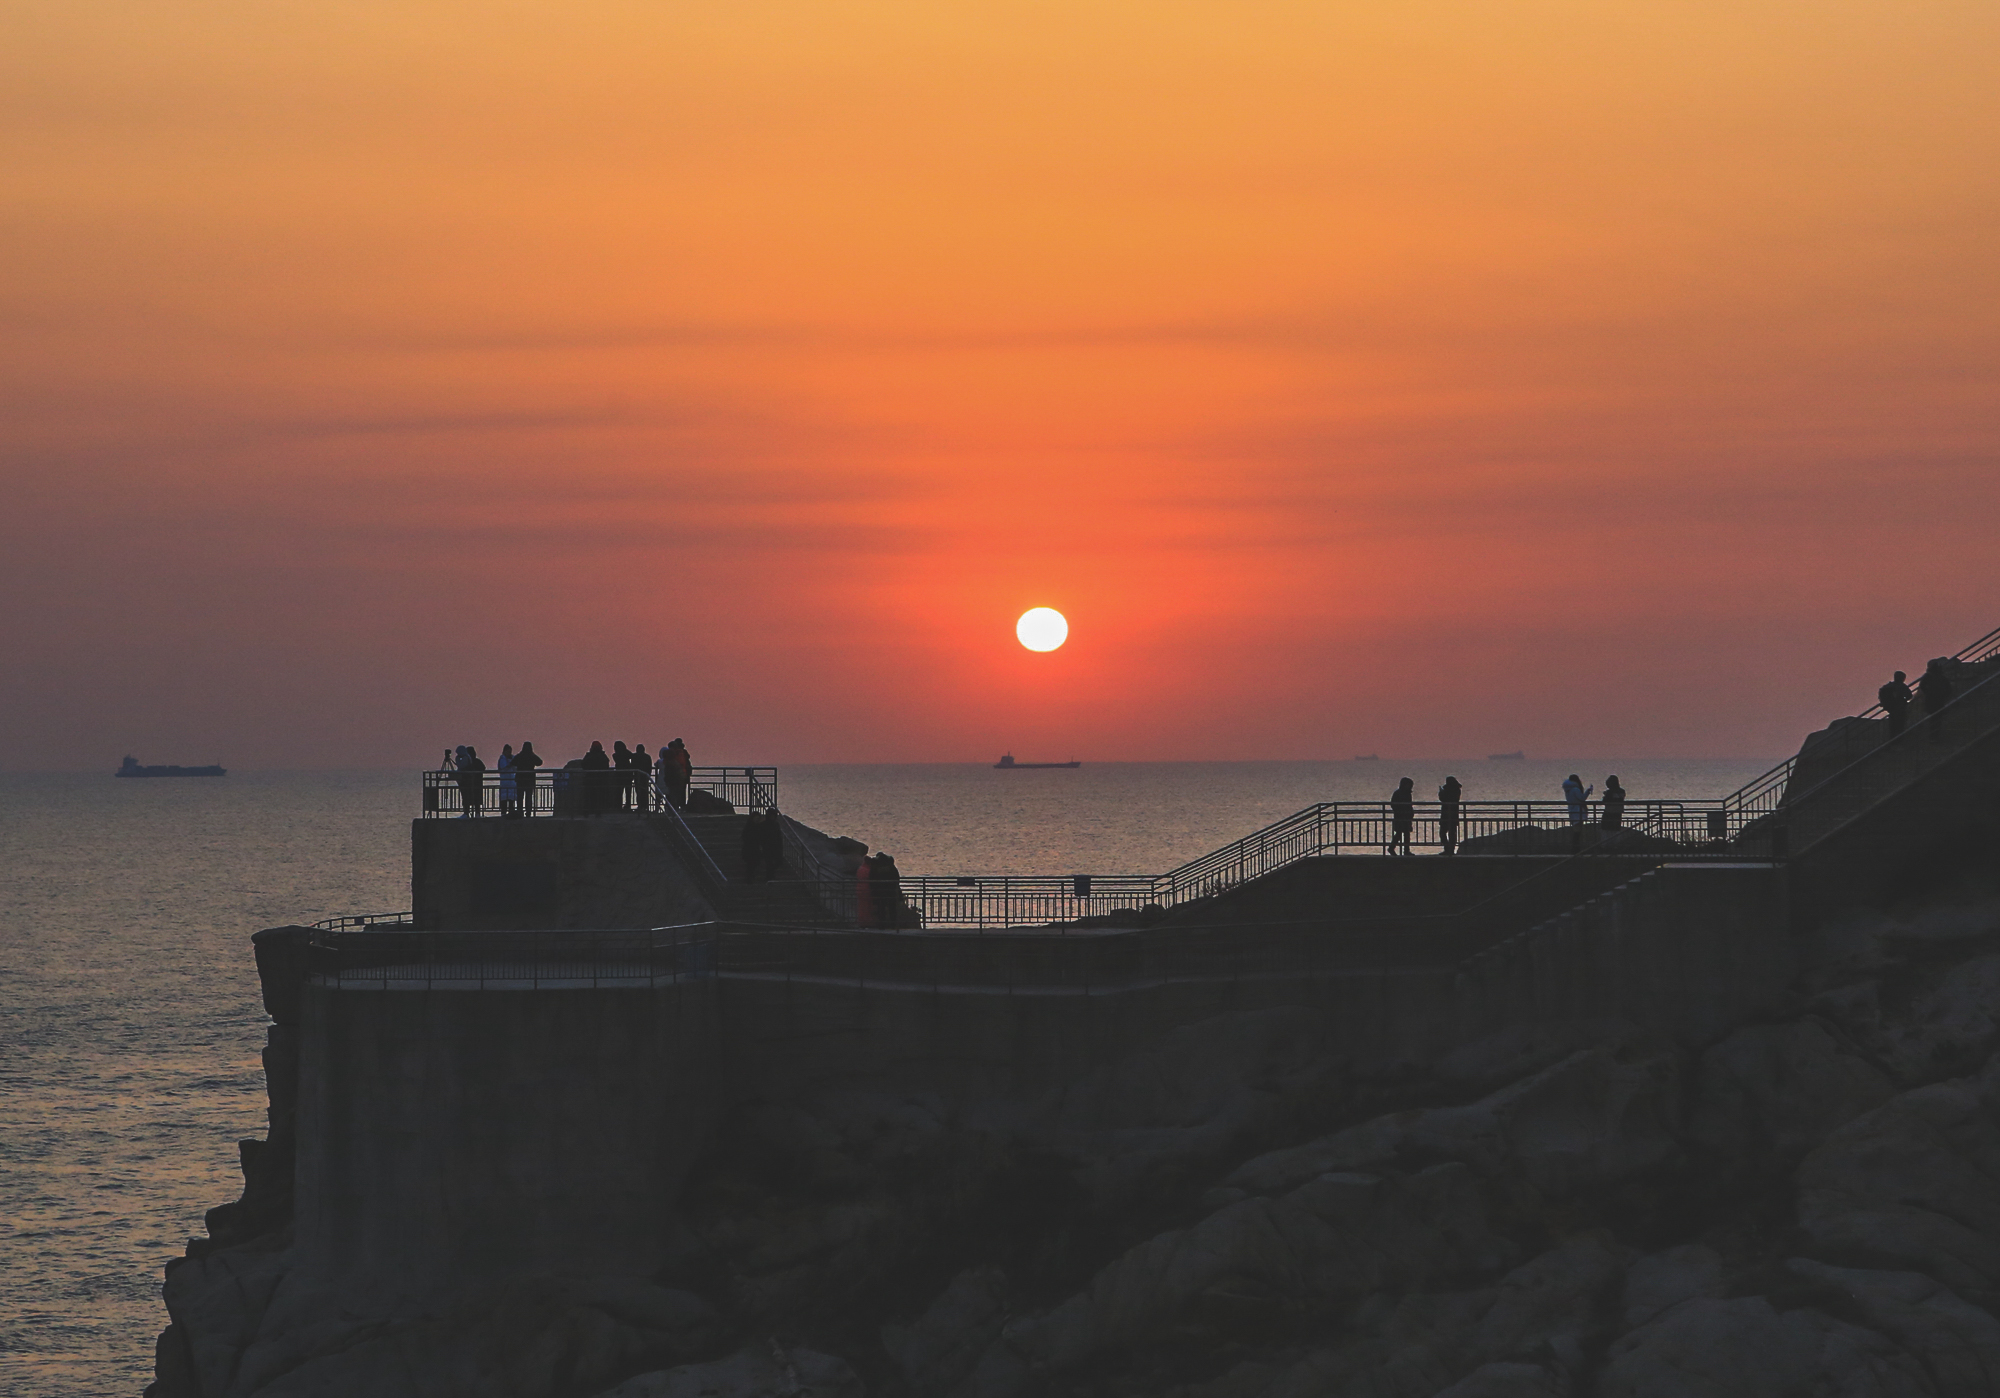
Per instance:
{"type": "Point", "coordinates": [1042, 628]}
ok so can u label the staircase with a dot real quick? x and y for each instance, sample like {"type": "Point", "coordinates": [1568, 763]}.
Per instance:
{"type": "Point", "coordinates": [784, 901]}
{"type": "Point", "coordinates": [1884, 766]}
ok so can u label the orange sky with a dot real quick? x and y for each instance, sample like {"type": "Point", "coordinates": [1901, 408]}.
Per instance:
{"type": "Point", "coordinates": [1425, 379]}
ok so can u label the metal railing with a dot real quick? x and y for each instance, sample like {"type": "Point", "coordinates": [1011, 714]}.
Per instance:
{"type": "Point", "coordinates": [1679, 830]}
{"type": "Point", "coordinates": [1763, 794]}
{"type": "Point", "coordinates": [365, 922]}
{"type": "Point", "coordinates": [573, 791]}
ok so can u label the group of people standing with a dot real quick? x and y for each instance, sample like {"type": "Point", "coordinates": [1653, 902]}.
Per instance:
{"type": "Point", "coordinates": [622, 779]}
{"type": "Point", "coordinates": [1934, 688]}
{"type": "Point", "coordinates": [1403, 810]}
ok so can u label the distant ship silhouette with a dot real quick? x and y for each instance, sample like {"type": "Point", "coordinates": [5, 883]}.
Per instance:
{"type": "Point", "coordinates": [1008, 764]}
{"type": "Point", "coordinates": [131, 768]}
{"type": "Point", "coordinates": [1367, 757]}
{"type": "Point", "coordinates": [1516, 756]}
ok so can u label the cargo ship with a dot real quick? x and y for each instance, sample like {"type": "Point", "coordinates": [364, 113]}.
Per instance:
{"type": "Point", "coordinates": [1008, 764]}
{"type": "Point", "coordinates": [131, 767]}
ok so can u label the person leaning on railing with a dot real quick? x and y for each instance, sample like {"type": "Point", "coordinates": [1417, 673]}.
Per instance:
{"type": "Point", "coordinates": [680, 774]}
{"type": "Point", "coordinates": [1614, 804]}
{"type": "Point", "coordinates": [1449, 796]}
{"type": "Point", "coordinates": [471, 782]}
{"type": "Point", "coordinates": [1402, 816]}
{"type": "Point", "coordinates": [525, 763]}
{"type": "Point", "coordinates": [1894, 697]}
{"type": "Point", "coordinates": [1935, 686]}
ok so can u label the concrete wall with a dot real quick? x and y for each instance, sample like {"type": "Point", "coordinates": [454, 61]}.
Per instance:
{"type": "Point", "coordinates": [1688, 950]}
{"type": "Point", "coordinates": [605, 871]}
{"type": "Point", "coordinates": [450, 1135]}
{"type": "Point", "coordinates": [446, 1135]}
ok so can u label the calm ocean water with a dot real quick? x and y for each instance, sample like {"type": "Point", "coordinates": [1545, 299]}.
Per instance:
{"type": "Point", "coordinates": [129, 1017]}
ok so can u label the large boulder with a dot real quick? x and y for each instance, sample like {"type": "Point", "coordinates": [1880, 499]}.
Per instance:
{"type": "Point", "coordinates": [1770, 1093]}
{"type": "Point", "coordinates": [1658, 1282]}
{"type": "Point", "coordinates": [1958, 1343]}
{"type": "Point", "coordinates": [1951, 1030]}
{"type": "Point", "coordinates": [768, 1370]}
{"type": "Point", "coordinates": [1596, 1119]}
{"type": "Point", "coordinates": [1747, 1349]}
{"type": "Point", "coordinates": [218, 1300]}
{"type": "Point", "coordinates": [1256, 1263]}
{"type": "Point", "coordinates": [1909, 1186]}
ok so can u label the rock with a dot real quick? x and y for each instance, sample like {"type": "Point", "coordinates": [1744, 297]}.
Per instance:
{"type": "Point", "coordinates": [1593, 1120]}
{"type": "Point", "coordinates": [1142, 1123]}
{"type": "Point", "coordinates": [1770, 1093]}
{"type": "Point", "coordinates": [701, 803]}
{"type": "Point", "coordinates": [1954, 1029]}
{"type": "Point", "coordinates": [1662, 1280]}
{"type": "Point", "coordinates": [1958, 1343]}
{"type": "Point", "coordinates": [529, 1337]}
{"type": "Point", "coordinates": [1371, 1146]}
{"type": "Point", "coordinates": [1256, 1262]}
{"type": "Point", "coordinates": [1547, 1305]}
{"type": "Point", "coordinates": [1505, 1380]}
{"type": "Point", "coordinates": [1909, 1186]}
{"type": "Point", "coordinates": [944, 1344]}
{"type": "Point", "coordinates": [768, 1370]}
{"type": "Point", "coordinates": [218, 1301]}
{"type": "Point", "coordinates": [1952, 921]}
{"type": "Point", "coordinates": [1745, 1349]}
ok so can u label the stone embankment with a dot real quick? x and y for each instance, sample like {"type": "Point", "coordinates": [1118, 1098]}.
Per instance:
{"type": "Point", "coordinates": [1803, 1205]}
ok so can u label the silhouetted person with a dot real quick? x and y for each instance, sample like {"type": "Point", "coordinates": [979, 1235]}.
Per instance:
{"type": "Point", "coordinates": [774, 844]}
{"type": "Point", "coordinates": [621, 763]}
{"type": "Point", "coordinates": [642, 778]}
{"type": "Point", "coordinates": [509, 808]}
{"type": "Point", "coordinates": [886, 890]}
{"type": "Point", "coordinates": [525, 763]}
{"type": "Point", "coordinates": [864, 894]}
{"type": "Point", "coordinates": [1895, 699]}
{"type": "Point", "coordinates": [680, 774]}
{"type": "Point", "coordinates": [1935, 686]}
{"type": "Point", "coordinates": [471, 781]}
{"type": "Point", "coordinates": [597, 784]}
{"type": "Point", "coordinates": [1576, 794]}
{"type": "Point", "coordinates": [1402, 815]}
{"type": "Point", "coordinates": [753, 848]}
{"type": "Point", "coordinates": [1448, 799]}
{"type": "Point", "coordinates": [1614, 804]}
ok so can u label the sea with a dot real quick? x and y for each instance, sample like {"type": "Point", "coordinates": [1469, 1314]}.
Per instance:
{"type": "Point", "coordinates": [130, 1021]}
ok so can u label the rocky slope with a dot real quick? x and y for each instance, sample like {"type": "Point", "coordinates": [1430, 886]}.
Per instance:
{"type": "Point", "coordinates": [1806, 1207]}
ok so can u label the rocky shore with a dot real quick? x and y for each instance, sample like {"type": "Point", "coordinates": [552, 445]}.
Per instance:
{"type": "Point", "coordinates": [1806, 1206]}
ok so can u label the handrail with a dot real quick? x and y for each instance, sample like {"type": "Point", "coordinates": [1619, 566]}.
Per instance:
{"type": "Point", "coordinates": [1756, 795]}
{"type": "Point", "coordinates": [706, 869]}
{"type": "Point", "coordinates": [567, 790]}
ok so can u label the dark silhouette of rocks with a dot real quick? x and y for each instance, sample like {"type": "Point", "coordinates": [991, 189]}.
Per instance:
{"type": "Point", "coordinates": [1804, 1205]}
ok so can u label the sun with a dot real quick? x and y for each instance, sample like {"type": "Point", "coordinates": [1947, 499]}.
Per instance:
{"type": "Point", "coordinates": [1042, 628]}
